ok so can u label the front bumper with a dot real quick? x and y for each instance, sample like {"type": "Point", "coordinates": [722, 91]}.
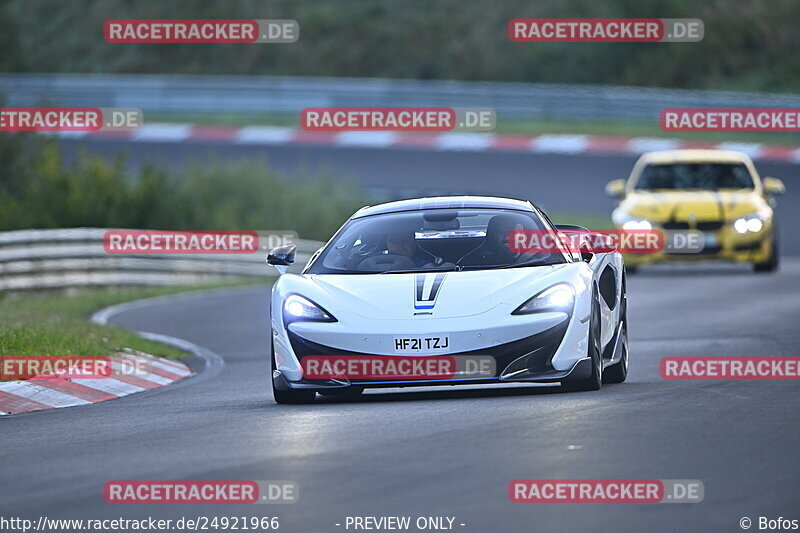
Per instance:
{"type": "Point", "coordinates": [726, 245]}
{"type": "Point", "coordinates": [581, 370]}
{"type": "Point", "coordinates": [525, 360]}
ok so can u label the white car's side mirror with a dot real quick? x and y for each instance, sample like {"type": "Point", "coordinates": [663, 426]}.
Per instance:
{"type": "Point", "coordinates": [282, 257]}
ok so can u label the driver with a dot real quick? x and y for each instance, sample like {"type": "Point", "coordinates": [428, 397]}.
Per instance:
{"type": "Point", "coordinates": [403, 243]}
{"type": "Point", "coordinates": [400, 254]}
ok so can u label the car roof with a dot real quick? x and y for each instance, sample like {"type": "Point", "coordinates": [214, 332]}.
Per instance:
{"type": "Point", "coordinates": [694, 156]}
{"type": "Point", "coordinates": [444, 202]}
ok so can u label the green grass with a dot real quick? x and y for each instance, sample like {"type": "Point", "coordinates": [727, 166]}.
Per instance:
{"type": "Point", "coordinates": [205, 193]}
{"type": "Point", "coordinates": [590, 221]}
{"type": "Point", "coordinates": [57, 323]}
{"type": "Point", "coordinates": [509, 126]}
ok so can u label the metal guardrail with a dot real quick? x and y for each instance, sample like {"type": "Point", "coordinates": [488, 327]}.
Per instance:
{"type": "Point", "coordinates": [59, 258]}
{"type": "Point", "coordinates": [273, 94]}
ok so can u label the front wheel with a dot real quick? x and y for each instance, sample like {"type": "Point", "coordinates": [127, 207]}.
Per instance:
{"type": "Point", "coordinates": [595, 380]}
{"type": "Point", "coordinates": [288, 396]}
{"type": "Point", "coordinates": [772, 262]}
{"type": "Point", "coordinates": [618, 372]}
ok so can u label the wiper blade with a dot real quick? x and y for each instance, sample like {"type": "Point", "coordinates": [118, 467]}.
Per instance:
{"type": "Point", "coordinates": [416, 270]}
{"type": "Point", "coordinates": [499, 267]}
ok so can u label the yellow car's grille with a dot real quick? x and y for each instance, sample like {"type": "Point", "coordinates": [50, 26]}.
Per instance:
{"type": "Point", "coordinates": [715, 225]}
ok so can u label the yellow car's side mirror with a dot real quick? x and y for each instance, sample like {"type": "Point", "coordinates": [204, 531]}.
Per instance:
{"type": "Point", "coordinates": [773, 186]}
{"type": "Point", "coordinates": [616, 188]}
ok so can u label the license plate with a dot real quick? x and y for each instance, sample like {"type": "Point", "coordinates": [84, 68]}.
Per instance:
{"type": "Point", "coordinates": [426, 344]}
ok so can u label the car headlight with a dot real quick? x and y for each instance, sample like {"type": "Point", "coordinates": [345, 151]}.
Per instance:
{"type": "Point", "coordinates": [559, 297]}
{"type": "Point", "coordinates": [296, 308]}
{"type": "Point", "coordinates": [629, 222]}
{"type": "Point", "coordinates": [752, 223]}
{"type": "Point", "coordinates": [637, 224]}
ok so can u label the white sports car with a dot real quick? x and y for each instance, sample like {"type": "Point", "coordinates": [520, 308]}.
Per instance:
{"type": "Point", "coordinates": [435, 280]}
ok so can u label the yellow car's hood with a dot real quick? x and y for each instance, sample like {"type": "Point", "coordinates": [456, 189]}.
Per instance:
{"type": "Point", "coordinates": [661, 206]}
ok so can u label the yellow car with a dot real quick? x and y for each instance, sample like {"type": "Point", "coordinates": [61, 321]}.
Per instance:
{"type": "Point", "coordinates": [715, 192]}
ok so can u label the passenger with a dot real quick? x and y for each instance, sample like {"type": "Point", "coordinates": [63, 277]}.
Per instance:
{"type": "Point", "coordinates": [496, 249]}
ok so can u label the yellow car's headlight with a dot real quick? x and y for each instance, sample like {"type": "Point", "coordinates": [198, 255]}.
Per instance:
{"type": "Point", "coordinates": [637, 224]}
{"type": "Point", "coordinates": [752, 223]}
{"type": "Point", "coordinates": [629, 222]}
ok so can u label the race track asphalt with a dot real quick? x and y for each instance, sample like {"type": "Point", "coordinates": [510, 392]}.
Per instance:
{"type": "Point", "coordinates": [444, 452]}
{"type": "Point", "coordinates": [568, 183]}
{"type": "Point", "coordinates": [447, 452]}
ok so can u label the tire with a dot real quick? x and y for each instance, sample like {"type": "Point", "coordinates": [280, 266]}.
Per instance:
{"type": "Point", "coordinates": [773, 261]}
{"type": "Point", "coordinates": [288, 396]}
{"type": "Point", "coordinates": [594, 381]}
{"type": "Point", "coordinates": [618, 372]}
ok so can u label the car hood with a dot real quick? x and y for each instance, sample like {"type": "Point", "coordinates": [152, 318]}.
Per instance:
{"type": "Point", "coordinates": [661, 206]}
{"type": "Point", "coordinates": [437, 295]}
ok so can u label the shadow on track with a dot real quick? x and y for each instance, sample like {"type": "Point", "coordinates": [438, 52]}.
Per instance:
{"type": "Point", "coordinates": [407, 395]}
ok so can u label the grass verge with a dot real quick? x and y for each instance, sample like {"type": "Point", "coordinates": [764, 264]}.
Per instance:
{"type": "Point", "coordinates": [57, 323]}
{"type": "Point", "coordinates": [590, 221]}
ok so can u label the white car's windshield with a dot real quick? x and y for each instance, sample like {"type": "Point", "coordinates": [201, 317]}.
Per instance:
{"type": "Point", "coordinates": [431, 240]}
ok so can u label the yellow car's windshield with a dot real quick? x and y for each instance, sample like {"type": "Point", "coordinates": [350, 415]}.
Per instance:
{"type": "Point", "coordinates": [694, 176]}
